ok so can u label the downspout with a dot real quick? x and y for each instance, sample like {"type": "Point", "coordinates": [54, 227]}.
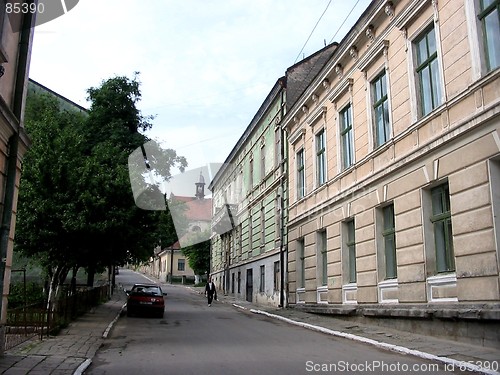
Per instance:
{"type": "Point", "coordinates": [13, 147]}
{"type": "Point", "coordinates": [283, 171]}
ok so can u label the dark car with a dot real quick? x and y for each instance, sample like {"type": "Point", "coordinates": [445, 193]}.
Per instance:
{"type": "Point", "coordinates": [146, 298]}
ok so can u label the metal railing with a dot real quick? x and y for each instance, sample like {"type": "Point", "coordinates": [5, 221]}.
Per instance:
{"type": "Point", "coordinates": [43, 319]}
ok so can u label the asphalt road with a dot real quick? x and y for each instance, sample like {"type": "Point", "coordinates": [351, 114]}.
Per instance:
{"type": "Point", "coordinates": [193, 338]}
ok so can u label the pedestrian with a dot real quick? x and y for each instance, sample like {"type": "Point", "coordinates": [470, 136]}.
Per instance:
{"type": "Point", "coordinates": [210, 291]}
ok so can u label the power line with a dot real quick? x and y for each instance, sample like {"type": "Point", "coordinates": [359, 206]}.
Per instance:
{"type": "Point", "coordinates": [345, 20]}
{"type": "Point", "coordinates": [314, 28]}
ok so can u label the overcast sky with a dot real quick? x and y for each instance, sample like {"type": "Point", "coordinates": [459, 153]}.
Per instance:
{"type": "Point", "coordinates": [205, 66]}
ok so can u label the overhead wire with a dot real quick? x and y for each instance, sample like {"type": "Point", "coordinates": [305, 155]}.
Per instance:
{"type": "Point", "coordinates": [314, 28]}
{"type": "Point", "coordinates": [345, 20]}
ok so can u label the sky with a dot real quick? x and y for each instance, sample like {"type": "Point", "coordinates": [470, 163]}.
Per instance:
{"type": "Point", "coordinates": [205, 65]}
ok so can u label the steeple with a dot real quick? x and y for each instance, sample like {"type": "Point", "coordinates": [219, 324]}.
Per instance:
{"type": "Point", "coordinates": [200, 187]}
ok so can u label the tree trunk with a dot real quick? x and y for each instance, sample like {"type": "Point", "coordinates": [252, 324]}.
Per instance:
{"type": "Point", "coordinates": [91, 276]}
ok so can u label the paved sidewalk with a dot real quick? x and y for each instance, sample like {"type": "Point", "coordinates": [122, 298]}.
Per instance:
{"type": "Point", "coordinates": [72, 350]}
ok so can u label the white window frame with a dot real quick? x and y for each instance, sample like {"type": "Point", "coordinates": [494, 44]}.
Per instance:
{"type": "Point", "coordinates": [415, 97]}
{"type": "Point", "coordinates": [476, 39]}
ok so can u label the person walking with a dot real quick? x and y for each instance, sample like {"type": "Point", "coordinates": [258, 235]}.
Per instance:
{"type": "Point", "coordinates": [210, 291]}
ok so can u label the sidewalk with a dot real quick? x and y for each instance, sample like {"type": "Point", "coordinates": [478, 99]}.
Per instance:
{"type": "Point", "coordinates": [72, 350]}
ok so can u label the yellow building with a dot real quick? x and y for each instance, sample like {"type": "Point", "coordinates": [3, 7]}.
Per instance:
{"type": "Point", "coordinates": [394, 160]}
{"type": "Point", "coordinates": [16, 35]}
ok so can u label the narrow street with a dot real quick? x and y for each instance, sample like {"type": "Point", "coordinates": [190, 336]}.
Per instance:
{"type": "Point", "coordinates": [193, 338]}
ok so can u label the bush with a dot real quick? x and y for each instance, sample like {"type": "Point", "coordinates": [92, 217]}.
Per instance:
{"type": "Point", "coordinates": [34, 294]}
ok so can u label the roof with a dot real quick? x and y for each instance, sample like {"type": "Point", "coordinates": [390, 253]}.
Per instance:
{"type": "Point", "coordinates": [196, 209]}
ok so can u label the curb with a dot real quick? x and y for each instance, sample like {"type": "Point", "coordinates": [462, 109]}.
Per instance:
{"type": "Point", "coordinates": [461, 365]}
{"type": "Point", "coordinates": [81, 369]}
{"type": "Point", "coordinates": [85, 364]}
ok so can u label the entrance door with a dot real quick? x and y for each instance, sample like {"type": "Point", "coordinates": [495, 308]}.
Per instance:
{"type": "Point", "coordinates": [249, 285]}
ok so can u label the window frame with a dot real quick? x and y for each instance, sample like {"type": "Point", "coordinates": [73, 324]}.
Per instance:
{"type": "Point", "coordinates": [320, 143]}
{"type": "Point", "coordinates": [350, 244]}
{"type": "Point", "coordinates": [377, 103]}
{"type": "Point", "coordinates": [277, 276]}
{"type": "Point", "coordinates": [389, 234]}
{"type": "Point", "coordinates": [346, 133]}
{"type": "Point", "coordinates": [183, 263]}
{"type": "Point", "coordinates": [483, 13]}
{"type": "Point", "coordinates": [434, 81]}
{"type": "Point", "coordinates": [262, 278]}
{"type": "Point", "coordinates": [322, 257]}
{"type": "Point", "coordinates": [301, 173]}
{"type": "Point", "coordinates": [300, 261]}
{"type": "Point", "coordinates": [445, 257]}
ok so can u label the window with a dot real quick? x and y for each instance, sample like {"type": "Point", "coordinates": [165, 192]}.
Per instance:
{"type": "Point", "coordinates": [262, 226]}
{"type": "Point", "coordinates": [277, 278]}
{"type": "Point", "coordinates": [427, 71]}
{"type": "Point", "coordinates": [389, 234]}
{"type": "Point", "coordinates": [489, 16]}
{"type": "Point", "coordinates": [381, 110]}
{"type": "Point", "coordinates": [250, 175]}
{"type": "Point", "coordinates": [239, 282]}
{"type": "Point", "coordinates": [263, 162]}
{"type": "Point", "coordinates": [181, 265]}
{"type": "Point", "coordinates": [443, 236]}
{"type": "Point", "coordinates": [322, 258]}
{"type": "Point", "coordinates": [301, 177]}
{"type": "Point", "coordinates": [277, 147]}
{"type": "Point", "coordinates": [301, 270]}
{"type": "Point", "coordinates": [320, 158]}
{"type": "Point", "coordinates": [250, 234]}
{"type": "Point", "coordinates": [262, 286]}
{"type": "Point", "coordinates": [346, 137]}
{"type": "Point", "coordinates": [351, 251]}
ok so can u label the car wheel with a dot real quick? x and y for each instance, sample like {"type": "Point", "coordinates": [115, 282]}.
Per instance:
{"type": "Point", "coordinates": [129, 313]}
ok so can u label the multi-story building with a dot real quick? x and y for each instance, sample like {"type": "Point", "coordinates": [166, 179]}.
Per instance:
{"type": "Point", "coordinates": [394, 182]}
{"type": "Point", "coordinates": [16, 36]}
{"type": "Point", "coordinates": [250, 197]}
{"type": "Point", "coordinates": [247, 194]}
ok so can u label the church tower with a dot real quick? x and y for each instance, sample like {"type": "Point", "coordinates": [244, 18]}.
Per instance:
{"type": "Point", "coordinates": [200, 187]}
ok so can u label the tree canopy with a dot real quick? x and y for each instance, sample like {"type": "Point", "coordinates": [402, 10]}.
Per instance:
{"type": "Point", "coordinates": [76, 207]}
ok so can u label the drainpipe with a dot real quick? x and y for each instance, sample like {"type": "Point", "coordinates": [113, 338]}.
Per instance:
{"type": "Point", "coordinates": [283, 170]}
{"type": "Point", "coordinates": [13, 147]}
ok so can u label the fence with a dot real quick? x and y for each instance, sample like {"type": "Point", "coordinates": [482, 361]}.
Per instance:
{"type": "Point", "coordinates": [26, 322]}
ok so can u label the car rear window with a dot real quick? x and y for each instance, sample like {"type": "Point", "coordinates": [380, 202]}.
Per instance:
{"type": "Point", "coordinates": [151, 290]}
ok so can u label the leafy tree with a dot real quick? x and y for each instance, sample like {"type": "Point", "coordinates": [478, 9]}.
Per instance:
{"type": "Point", "coordinates": [76, 207]}
{"type": "Point", "coordinates": [198, 255]}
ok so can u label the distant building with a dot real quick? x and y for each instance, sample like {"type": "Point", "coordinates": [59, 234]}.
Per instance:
{"type": "Point", "coordinates": [394, 159]}
{"type": "Point", "coordinates": [64, 103]}
{"type": "Point", "coordinates": [16, 38]}
{"type": "Point", "coordinates": [169, 263]}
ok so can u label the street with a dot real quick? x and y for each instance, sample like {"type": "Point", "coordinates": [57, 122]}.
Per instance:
{"type": "Point", "coordinates": [193, 338]}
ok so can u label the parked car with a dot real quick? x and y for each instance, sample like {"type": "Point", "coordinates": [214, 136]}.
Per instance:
{"type": "Point", "coordinates": [146, 298]}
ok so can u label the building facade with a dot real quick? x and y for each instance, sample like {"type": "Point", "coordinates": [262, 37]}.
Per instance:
{"type": "Point", "coordinates": [16, 36]}
{"type": "Point", "coordinates": [248, 193]}
{"type": "Point", "coordinates": [394, 158]}
{"type": "Point", "coordinates": [250, 196]}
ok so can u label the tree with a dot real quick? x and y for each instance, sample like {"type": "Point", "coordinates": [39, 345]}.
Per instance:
{"type": "Point", "coordinates": [47, 215]}
{"type": "Point", "coordinates": [198, 255]}
{"type": "Point", "coordinates": [76, 207]}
